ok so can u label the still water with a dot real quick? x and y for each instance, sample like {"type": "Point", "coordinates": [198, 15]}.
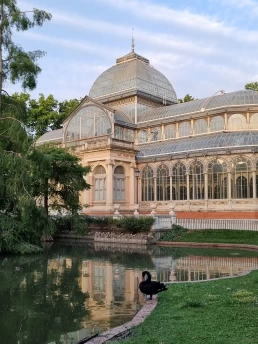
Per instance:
{"type": "Point", "coordinates": [73, 291]}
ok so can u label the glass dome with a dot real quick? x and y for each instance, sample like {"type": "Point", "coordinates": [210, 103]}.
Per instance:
{"type": "Point", "coordinates": [132, 73]}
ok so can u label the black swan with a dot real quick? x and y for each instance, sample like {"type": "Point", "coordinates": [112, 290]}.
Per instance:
{"type": "Point", "coordinates": [150, 287]}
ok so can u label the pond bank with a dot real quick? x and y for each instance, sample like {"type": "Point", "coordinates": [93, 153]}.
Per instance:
{"type": "Point", "coordinates": [208, 245]}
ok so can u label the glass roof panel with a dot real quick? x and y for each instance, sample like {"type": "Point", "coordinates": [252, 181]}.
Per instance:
{"type": "Point", "coordinates": [199, 143]}
{"type": "Point", "coordinates": [244, 97]}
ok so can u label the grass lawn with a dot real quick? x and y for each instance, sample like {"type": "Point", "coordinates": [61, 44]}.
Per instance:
{"type": "Point", "coordinates": [215, 236]}
{"type": "Point", "coordinates": [223, 311]}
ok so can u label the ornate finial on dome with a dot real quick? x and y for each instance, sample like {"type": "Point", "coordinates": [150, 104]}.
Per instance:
{"type": "Point", "coordinates": [133, 45]}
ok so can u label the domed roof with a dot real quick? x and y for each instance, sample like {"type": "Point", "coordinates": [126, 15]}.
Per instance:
{"type": "Point", "coordinates": [132, 74]}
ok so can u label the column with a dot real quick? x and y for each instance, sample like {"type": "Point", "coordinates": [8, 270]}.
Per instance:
{"type": "Point", "coordinates": [109, 185]}
{"type": "Point", "coordinates": [132, 184]}
{"type": "Point", "coordinates": [254, 184]}
{"type": "Point", "coordinates": [188, 186]}
{"type": "Point", "coordinates": [225, 121]}
{"type": "Point", "coordinates": [229, 185]}
{"type": "Point", "coordinates": [206, 186]}
{"type": "Point", "coordinates": [155, 187]}
{"type": "Point", "coordinates": [171, 193]}
{"type": "Point", "coordinates": [208, 124]}
{"type": "Point", "coordinates": [192, 127]}
{"type": "Point", "coordinates": [162, 132]}
{"type": "Point", "coordinates": [177, 132]}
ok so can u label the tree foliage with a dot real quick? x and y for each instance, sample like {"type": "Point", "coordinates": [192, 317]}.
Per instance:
{"type": "Point", "coordinates": [187, 98]}
{"type": "Point", "coordinates": [58, 177]}
{"type": "Point", "coordinates": [16, 64]}
{"type": "Point", "coordinates": [45, 113]}
{"type": "Point", "coordinates": [252, 86]}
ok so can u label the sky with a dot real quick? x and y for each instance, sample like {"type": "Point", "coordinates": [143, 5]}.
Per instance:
{"type": "Point", "coordinates": [201, 46]}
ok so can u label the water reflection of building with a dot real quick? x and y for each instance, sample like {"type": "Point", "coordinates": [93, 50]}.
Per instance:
{"type": "Point", "coordinates": [198, 268]}
{"type": "Point", "coordinates": [113, 290]}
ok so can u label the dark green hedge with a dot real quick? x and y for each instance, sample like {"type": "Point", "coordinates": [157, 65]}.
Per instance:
{"type": "Point", "coordinates": [80, 223]}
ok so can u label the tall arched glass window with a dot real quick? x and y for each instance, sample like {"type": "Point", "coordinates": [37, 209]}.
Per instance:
{"type": "Point", "coordinates": [179, 181]}
{"type": "Point", "coordinates": [155, 134]}
{"type": "Point", "coordinates": [196, 179]}
{"type": "Point", "coordinates": [163, 183]}
{"type": "Point", "coordinates": [200, 126]}
{"type": "Point", "coordinates": [90, 121]}
{"type": "Point", "coordinates": [241, 173]}
{"type": "Point", "coordinates": [143, 136]}
{"type": "Point", "coordinates": [217, 179]}
{"type": "Point", "coordinates": [170, 131]}
{"type": "Point", "coordinates": [119, 133]}
{"type": "Point", "coordinates": [254, 121]}
{"type": "Point", "coordinates": [119, 184]}
{"type": "Point", "coordinates": [217, 123]}
{"type": "Point", "coordinates": [99, 183]}
{"type": "Point", "coordinates": [147, 184]}
{"type": "Point", "coordinates": [237, 122]}
{"type": "Point", "coordinates": [184, 129]}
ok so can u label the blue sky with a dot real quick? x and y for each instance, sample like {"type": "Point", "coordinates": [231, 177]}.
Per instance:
{"type": "Point", "coordinates": [201, 46]}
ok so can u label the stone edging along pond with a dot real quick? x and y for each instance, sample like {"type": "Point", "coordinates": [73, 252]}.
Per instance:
{"type": "Point", "coordinates": [207, 245]}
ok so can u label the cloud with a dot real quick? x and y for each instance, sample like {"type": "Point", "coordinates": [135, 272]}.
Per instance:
{"type": "Point", "coordinates": [185, 18]}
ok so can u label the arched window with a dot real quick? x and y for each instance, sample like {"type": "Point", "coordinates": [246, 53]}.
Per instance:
{"type": "Point", "coordinates": [179, 181]}
{"type": "Point", "coordinates": [119, 133]}
{"type": "Point", "coordinates": [196, 178]}
{"type": "Point", "coordinates": [99, 183]}
{"type": "Point", "coordinates": [90, 121]}
{"type": "Point", "coordinates": [217, 179]}
{"type": "Point", "coordinates": [143, 136]}
{"type": "Point", "coordinates": [254, 121]}
{"type": "Point", "coordinates": [155, 134]}
{"type": "Point", "coordinates": [237, 122]}
{"type": "Point", "coordinates": [241, 173]}
{"type": "Point", "coordinates": [119, 184]}
{"type": "Point", "coordinates": [147, 184]}
{"type": "Point", "coordinates": [200, 126]}
{"type": "Point", "coordinates": [184, 129]}
{"type": "Point", "coordinates": [163, 183]}
{"type": "Point", "coordinates": [217, 123]}
{"type": "Point", "coordinates": [170, 131]}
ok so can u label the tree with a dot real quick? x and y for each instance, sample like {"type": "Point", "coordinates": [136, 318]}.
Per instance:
{"type": "Point", "coordinates": [187, 98]}
{"type": "Point", "coordinates": [252, 86]}
{"type": "Point", "coordinates": [57, 178]}
{"type": "Point", "coordinates": [17, 65]}
{"type": "Point", "coordinates": [45, 113]}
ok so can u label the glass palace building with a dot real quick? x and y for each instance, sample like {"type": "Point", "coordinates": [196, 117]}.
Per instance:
{"type": "Point", "coordinates": [147, 151]}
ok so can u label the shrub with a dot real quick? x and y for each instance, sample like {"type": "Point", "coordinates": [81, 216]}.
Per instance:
{"type": "Point", "coordinates": [174, 234]}
{"type": "Point", "coordinates": [134, 225]}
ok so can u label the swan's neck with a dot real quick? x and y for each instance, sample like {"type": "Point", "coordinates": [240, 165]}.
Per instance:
{"type": "Point", "coordinates": [148, 277]}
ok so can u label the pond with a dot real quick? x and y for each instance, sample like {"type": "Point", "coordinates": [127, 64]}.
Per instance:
{"type": "Point", "coordinates": [73, 291]}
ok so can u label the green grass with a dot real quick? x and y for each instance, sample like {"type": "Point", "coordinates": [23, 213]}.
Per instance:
{"type": "Point", "coordinates": [214, 312]}
{"type": "Point", "coordinates": [216, 236]}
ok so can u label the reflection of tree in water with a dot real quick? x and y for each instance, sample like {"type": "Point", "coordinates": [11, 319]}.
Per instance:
{"type": "Point", "coordinates": [44, 305]}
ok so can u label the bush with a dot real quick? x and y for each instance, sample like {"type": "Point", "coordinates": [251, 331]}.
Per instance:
{"type": "Point", "coordinates": [79, 223]}
{"type": "Point", "coordinates": [174, 234]}
{"type": "Point", "coordinates": [134, 225]}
